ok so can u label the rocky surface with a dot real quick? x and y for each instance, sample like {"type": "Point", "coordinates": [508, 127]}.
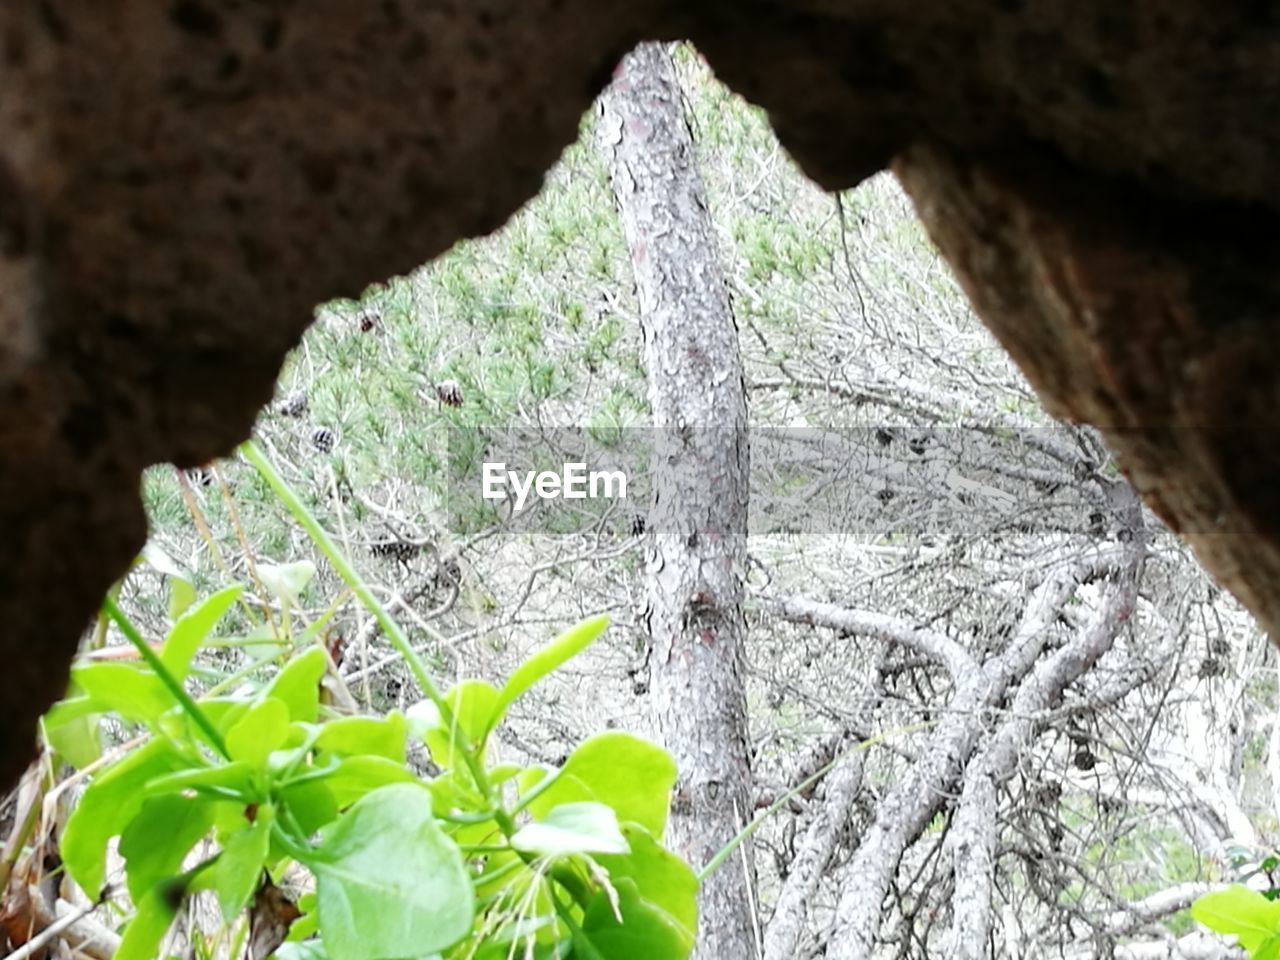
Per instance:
{"type": "Point", "coordinates": [182, 180]}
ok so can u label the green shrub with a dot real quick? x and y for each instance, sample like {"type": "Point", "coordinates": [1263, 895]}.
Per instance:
{"type": "Point", "coordinates": [479, 860]}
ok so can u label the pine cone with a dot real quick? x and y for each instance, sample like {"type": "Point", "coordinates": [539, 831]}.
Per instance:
{"type": "Point", "coordinates": [449, 392]}
{"type": "Point", "coordinates": [401, 551]}
{"type": "Point", "coordinates": [201, 476]}
{"type": "Point", "coordinates": [294, 405]}
{"type": "Point", "coordinates": [1084, 759]}
{"type": "Point", "coordinates": [323, 439]}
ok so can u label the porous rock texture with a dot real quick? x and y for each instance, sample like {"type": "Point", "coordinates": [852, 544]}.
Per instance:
{"type": "Point", "coordinates": [181, 181]}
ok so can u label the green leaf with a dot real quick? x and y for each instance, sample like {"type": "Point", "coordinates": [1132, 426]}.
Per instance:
{"type": "Point", "coordinates": [230, 780]}
{"type": "Point", "coordinates": [368, 736]}
{"type": "Point", "coordinates": [73, 730]}
{"type": "Point", "coordinates": [192, 628]}
{"type": "Point", "coordinates": [572, 828]}
{"type": "Point", "coordinates": [423, 717]}
{"type": "Point", "coordinates": [1240, 911]}
{"type": "Point", "coordinates": [502, 772]}
{"type": "Point", "coordinates": [154, 555]}
{"type": "Point", "coordinates": [388, 882]}
{"type": "Point", "coordinates": [311, 805]}
{"type": "Point", "coordinates": [260, 731]}
{"type": "Point", "coordinates": [555, 654]}
{"type": "Point", "coordinates": [155, 843]}
{"type": "Point", "coordinates": [1269, 949]}
{"type": "Point", "coordinates": [306, 950]}
{"type": "Point", "coordinates": [298, 685]}
{"type": "Point", "coordinates": [287, 581]}
{"type": "Point", "coordinates": [472, 703]}
{"type": "Point", "coordinates": [315, 800]}
{"type": "Point", "coordinates": [644, 931]}
{"type": "Point", "coordinates": [239, 866]}
{"type": "Point", "coordinates": [182, 594]}
{"type": "Point", "coordinates": [150, 923]}
{"type": "Point", "coordinates": [127, 689]}
{"type": "Point", "coordinates": [631, 775]}
{"type": "Point", "coordinates": [106, 808]}
{"type": "Point", "coordinates": [264, 643]}
{"type": "Point", "coordinates": [223, 712]}
{"type": "Point", "coordinates": [455, 791]}
{"type": "Point", "coordinates": [182, 591]}
{"type": "Point", "coordinates": [517, 939]}
{"type": "Point", "coordinates": [490, 950]}
{"type": "Point", "coordinates": [662, 880]}
{"type": "Point", "coordinates": [352, 778]}
{"type": "Point", "coordinates": [305, 926]}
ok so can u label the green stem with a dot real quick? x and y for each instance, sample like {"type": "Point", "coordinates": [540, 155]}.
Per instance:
{"type": "Point", "coordinates": [305, 638]}
{"type": "Point", "coordinates": [321, 538]}
{"type": "Point", "coordinates": [149, 656]}
{"type": "Point", "coordinates": [466, 819]}
{"type": "Point", "coordinates": [394, 634]}
{"type": "Point", "coordinates": [22, 833]}
{"type": "Point", "coordinates": [497, 874]}
{"type": "Point", "coordinates": [581, 942]}
{"type": "Point", "coordinates": [300, 852]}
{"type": "Point", "coordinates": [526, 798]}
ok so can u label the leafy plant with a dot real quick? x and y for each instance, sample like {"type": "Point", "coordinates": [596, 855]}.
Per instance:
{"type": "Point", "coordinates": [1251, 917]}
{"type": "Point", "coordinates": [232, 793]}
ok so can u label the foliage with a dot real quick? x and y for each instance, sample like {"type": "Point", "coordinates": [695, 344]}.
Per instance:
{"type": "Point", "coordinates": [1251, 917]}
{"type": "Point", "coordinates": [231, 791]}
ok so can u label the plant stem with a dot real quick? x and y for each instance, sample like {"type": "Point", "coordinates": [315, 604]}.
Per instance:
{"type": "Point", "coordinates": [149, 656]}
{"type": "Point", "coordinates": [394, 634]}
{"type": "Point", "coordinates": [581, 943]}
{"type": "Point", "coordinates": [306, 519]}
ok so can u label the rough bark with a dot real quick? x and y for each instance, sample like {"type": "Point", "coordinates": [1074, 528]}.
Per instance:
{"type": "Point", "coordinates": [1192, 946]}
{"type": "Point", "coordinates": [698, 522]}
{"type": "Point", "coordinates": [1157, 906]}
{"type": "Point", "coordinates": [907, 805]}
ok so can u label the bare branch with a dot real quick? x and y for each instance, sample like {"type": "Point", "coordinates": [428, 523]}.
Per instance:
{"type": "Point", "coordinates": [783, 934]}
{"type": "Point", "coordinates": [866, 623]}
{"type": "Point", "coordinates": [973, 833]}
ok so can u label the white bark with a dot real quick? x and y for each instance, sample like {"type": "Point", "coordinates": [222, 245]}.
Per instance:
{"type": "Point", "coordinates": [929, 643]}
{"type": "Point", "coordinates": [696, 547]}
{"type": "Point", "coordinates": [973, 832]}
{"type": "Point", "coordinates": [1193, 946]}
{"type": "Point", "coordinates": [909, 805]}
{"type": "Point", "coordinates": [1155, 907]}
{"type": "Point", "coordinates": [791, 913]}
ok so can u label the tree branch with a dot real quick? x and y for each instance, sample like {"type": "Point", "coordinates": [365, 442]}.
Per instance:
{"type": "Point", "coordinates": [811, 861]}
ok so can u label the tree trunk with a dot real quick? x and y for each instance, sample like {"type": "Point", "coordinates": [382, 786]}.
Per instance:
{"type": "Point", "coordinates": [697, 539]}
